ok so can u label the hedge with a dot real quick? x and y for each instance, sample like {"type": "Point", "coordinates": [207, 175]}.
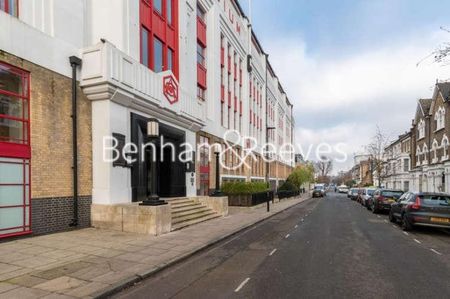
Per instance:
{"type": "Point", "coordinates": [243, 188]}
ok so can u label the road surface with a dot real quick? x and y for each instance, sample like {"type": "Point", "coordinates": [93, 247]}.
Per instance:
{"type": "Point", "coordinates": [331, 247]}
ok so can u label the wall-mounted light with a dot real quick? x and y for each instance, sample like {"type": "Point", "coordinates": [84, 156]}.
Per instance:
{"type": "Point", "coordinates": [153, 128]}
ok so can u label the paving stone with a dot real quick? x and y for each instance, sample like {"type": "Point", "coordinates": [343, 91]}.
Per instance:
{"type": "Point", "coordinates": [23, 293]}
{"type": "Point", "coordinates": [107, 252]}
{"type": "Point", "coordinates": [4, 268]}
{"type": "Point", "coordinates": [34, 262]}
{"type": "Point", "coordinates": [112, 277]}
{"type": "Point", "coordinates": [27, 280]}
{"type": "Point", "coordinates": [60, 284]}
{"type": "Point", "coordinates": [57, 296]}
{"type": "Point", "coordinates": [91, 272]}
{"type": "Point", "coordinates": [62, 270]}
{"type": "Point", "coordinates": [16, 273]}
{"type": "Point", "coordinates": [4, 287]}
{"type": "Point", "coordinates": [133, 257]}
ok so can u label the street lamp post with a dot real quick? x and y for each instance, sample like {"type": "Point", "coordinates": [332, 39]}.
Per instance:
{"type": "Point", "coordinates": [217, 192]}
{"type": "Point", "coordinates": [153, 134]}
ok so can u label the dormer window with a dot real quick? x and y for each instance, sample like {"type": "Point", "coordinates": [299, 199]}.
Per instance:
{"type": "Point", "coordinates": [439, 118]}
{"type": "Point", "coordinates": [421, 129]}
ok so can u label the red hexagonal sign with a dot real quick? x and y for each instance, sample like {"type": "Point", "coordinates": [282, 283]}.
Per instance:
{"type": "Point", "coordinates": [170, 89]}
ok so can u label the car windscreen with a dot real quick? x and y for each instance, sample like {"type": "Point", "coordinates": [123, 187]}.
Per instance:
{"type": "Point", "coordinates": [354, 191]}
{"type": "Point", "coordinates": [436, 200]}
{"type": "Point", "coordinates": [370, 192]}
{"type": "Point", "coordinates": [318, 187]}
{"type": "Point", "coordinates": [393, 194]}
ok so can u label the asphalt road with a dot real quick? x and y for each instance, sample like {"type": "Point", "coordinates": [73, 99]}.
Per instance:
{"type": "Point", "coordinates": [331, 247]}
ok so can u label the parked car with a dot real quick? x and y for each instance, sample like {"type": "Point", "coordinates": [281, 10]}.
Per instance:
{"type": "Point", "coordinates": [365, 195]}
{"type": "Point", "coordinates": [383, 198]}
{"type": "Point", "coordinates": [354, 193]}
{"type": "Point", "coordinates": [426, 209]}
{"type": "Point", "coordinates": [319, 191]}
{"type": "Point", "coordinates": [342, 189]}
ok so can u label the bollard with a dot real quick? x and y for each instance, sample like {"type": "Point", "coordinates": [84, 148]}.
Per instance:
{"type": "Point", "coordinates": [268, 202]}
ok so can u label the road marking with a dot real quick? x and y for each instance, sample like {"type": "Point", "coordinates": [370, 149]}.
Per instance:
{"type": "Point", "coordinates": [417, 241]}
{"type": "Point", "coordinates": [302, 220]}
{"type": "Point", "coordinates": [394, 225]}
{"type": "Point", "coordinates": [378, 216]}
{"type": "Point", "coordinates": [287, 236]}
{"type": "Point", "coordinates": [272, 252]}
{"type": "Point", "coordinates": [435, 251]}
{"type": "Point", "coordinates": [242, 285]}
{"type": "Point", "coordinates": [406, 233]}
{"type": "Point", "coordinates": [296, 226]}
{"type": "Point", "coordinates": [385, 221]}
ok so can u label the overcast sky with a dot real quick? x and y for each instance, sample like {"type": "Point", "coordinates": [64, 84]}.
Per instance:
{"type": "Point", "coordinates": [350, 65]}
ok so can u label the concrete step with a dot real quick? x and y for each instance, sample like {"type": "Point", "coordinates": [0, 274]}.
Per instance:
{"type": "Point", "coordinates": [178, 213]}
{"type": "Point", "coordinates": [180, 225]}
{"type": "Point", "coordinates": [192, 216]}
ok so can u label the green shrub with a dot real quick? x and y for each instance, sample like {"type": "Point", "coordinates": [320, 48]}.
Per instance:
{"type": "Point", "coordinates": [288, 186]}
{"type": "Point", "coordinates": [243, 188]}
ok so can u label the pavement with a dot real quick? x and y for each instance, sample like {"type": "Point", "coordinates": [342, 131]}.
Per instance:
{"type": "Point", "coordinates": [321, 248]}
{"type": "Point", "coordinates": [91, 263]}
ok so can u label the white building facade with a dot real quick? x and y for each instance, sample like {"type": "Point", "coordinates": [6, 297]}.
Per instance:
{"type": "Point", "coordinates": [195, 66]}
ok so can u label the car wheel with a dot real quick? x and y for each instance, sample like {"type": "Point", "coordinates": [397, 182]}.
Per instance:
{"type": "Point", "coordinates": [392, 217]}
{"type": "Point", "coordinates": [406, 225]}
{"type": "Point", "coordinates": [374, 210]}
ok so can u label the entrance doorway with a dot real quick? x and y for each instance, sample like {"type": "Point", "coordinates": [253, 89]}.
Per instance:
{"type": "Point", "coordinates": [171, 172]}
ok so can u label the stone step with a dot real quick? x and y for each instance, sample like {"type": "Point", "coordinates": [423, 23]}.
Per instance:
{"type": "Point", "coordinates": [184, 204]}
{"type": "Point", "coordinates": [187, 208]}
{"type": "Point", "coordinates": [191, 216]}
{"type": "Point", "coordinates": [182, 200]}
{"type": "Point", "coordinates": [183, 224]}
{"type": "Point", "coordinates": [176, 214]}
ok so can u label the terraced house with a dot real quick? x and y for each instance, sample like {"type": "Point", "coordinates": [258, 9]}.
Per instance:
{"type": "Point", "coordinates": [75, 71]}
{"type": "Point", "coordinates": [419, 159]}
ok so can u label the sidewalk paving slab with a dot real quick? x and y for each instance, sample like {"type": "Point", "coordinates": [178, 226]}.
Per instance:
{"type": "Point", "coordinates": [93, 263]}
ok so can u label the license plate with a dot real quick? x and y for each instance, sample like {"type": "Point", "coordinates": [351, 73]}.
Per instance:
{"type": "Point", "coordinates": [442, 220]}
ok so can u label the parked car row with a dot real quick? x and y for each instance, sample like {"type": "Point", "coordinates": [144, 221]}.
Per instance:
{"type": "Point", "coordinates": [409, 209]}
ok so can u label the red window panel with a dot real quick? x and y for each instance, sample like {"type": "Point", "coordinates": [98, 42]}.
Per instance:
{"type": "Point", "coordinates": [240, 108]}
{"type": "Point", "coordinates": [222, 56]}
{"type": "Point", "coordinates": [240, 75]}
{"type": "Point", "coordinates": [235, 104]}
{"type": "Point", "coordinates": [229, 99]}
{"type": "Point", "coordinates": [235, 72]}
{"type": "Point", "coordinates": [222, 94]}
{"type": "Point", "coordinates": [201, 31]}
{"type": "Point", "coordinates": [229, 64]}
{"type": "Point", "coordinates": [251, 116]}
{"type": "Point", "coordinates": [201, 75]}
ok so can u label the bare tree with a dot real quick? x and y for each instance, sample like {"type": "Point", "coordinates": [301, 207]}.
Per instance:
{"type": "Point", "coordinates": [441, 54]}
{"type": "Point", "coordinates": [376, 150]}
{"type": "Point", "coordinates": [323, 168]}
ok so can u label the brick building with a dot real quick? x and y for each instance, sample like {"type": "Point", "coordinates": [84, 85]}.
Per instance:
{"type": "Point", "coordinates": [195, 66]}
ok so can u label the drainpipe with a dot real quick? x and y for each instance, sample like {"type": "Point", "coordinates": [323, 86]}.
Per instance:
{"type": "Point", "coordinates": [74, 63]}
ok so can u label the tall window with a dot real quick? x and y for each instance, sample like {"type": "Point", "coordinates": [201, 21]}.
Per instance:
{"type": "Point", "coordinates": [201, 53]}
{"type": "Point", "coordinates": [159, 44]}
{"type": "Point", "coordinates": [169, 12]}
{"type": "Point", "coordinates": [169, 59]}
{"type": "Point", "coordinates": [145, 47]}
{"type": "Point", "coordinates": [157, 55]}
{"type": "Point", "coordinates": [421, 129]}
{"type": "Point", "coordinates": [10, 6]}
{"type": "Point", "coordinates": [157, 6]}
{"type": "Point", "coordinates": [14, 151]}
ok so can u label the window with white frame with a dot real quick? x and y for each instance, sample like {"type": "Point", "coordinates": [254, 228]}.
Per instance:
{"type": "Point", "coordinates": [439, 117]}
{"type": "Point", "coordinates": [444, 145]}
{"type": "Point", "coordinates": [418, 156]}
{"type": "Point", "coordinates": [424, 153]}
{"type": "Point", "coordinates": [434, 148]}
{"type": "Point", "coordinates": [421, 129]}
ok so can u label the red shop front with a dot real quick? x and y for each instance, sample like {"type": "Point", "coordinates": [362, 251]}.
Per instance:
{"type": "Point", "coordinates": [15, 151]}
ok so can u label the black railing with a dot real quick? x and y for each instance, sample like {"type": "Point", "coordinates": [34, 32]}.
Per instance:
{"type": "Point", "coordinates": [287, 193]}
